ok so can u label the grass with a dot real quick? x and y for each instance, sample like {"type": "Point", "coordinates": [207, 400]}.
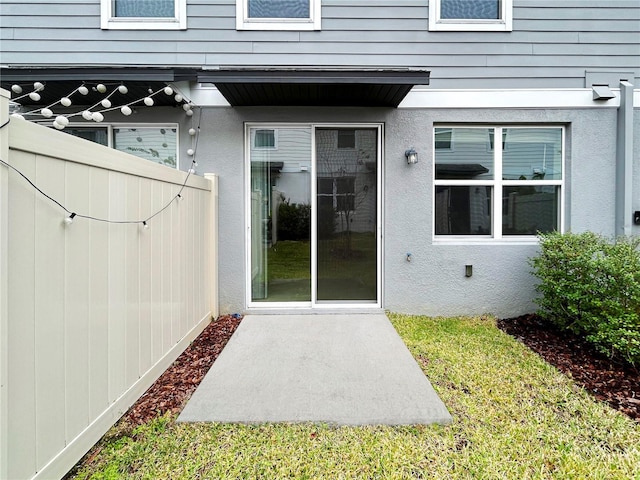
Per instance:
{"type": "Point", "coordinates": [514, 417]}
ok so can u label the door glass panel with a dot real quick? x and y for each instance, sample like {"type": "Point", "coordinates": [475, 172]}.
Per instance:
{"type": "Point", "coordinates": [346, 191]}
{"type": "Point", "coordinates": [280, 214]}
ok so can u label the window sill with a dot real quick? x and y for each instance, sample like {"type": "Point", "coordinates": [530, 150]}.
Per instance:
{"type": "Point", "coordinates": [452, 241]}
{"type": "Point", "coordinates": [274, 26]}
{"type": "Point", "coordinates": [143, 25]}
{"type": "Point", "coordinates": [470, 27]}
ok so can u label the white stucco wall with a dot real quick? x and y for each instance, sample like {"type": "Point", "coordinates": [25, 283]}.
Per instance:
{"type": "Point", "coordinates": [434, 282]}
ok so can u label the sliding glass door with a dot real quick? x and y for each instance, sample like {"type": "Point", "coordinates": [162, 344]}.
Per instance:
{"type": "Point", "coordinates": [314, 215]}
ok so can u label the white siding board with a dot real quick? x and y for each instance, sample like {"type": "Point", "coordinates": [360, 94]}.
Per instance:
{"type": "Point", "coordinates": [156, 273]}
{"type": "Point", "coordinates": [117, 287]}
{"type": "Point", "coordinates": [167, 273]}
{"type": "Point", "coordinates": [144, 264]}
{"type": "Point", "coordinates": [76, 276]}
{"type": "Point", "coordinates": [49, 308]}
{"type": "Point", "coordinates": [21, 423]}
{"type": "Point", "coordinates": [132, 281]}
{"type": "Point", "coordinates": [99, 295]}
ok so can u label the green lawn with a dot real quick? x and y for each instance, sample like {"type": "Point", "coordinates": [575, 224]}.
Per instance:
{"type": "Point", "coordinates": [514, 417]}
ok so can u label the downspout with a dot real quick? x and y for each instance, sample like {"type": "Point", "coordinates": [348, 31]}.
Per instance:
{"type": "Point", "coordinates": [624, 160]}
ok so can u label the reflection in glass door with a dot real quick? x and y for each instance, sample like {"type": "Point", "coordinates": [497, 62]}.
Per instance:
{"type": "Point", "coordinates": [280, 188]}
{"type": "Point", "coordinates": [347, 215]}
{"type": "Point", "coordinates": [314, 215]}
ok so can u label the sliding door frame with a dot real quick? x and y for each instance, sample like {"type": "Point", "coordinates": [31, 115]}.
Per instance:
{"type": "Point", "coordinates": [313, 304]}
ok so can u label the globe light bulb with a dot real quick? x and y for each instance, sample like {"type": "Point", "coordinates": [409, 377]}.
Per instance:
{"type": "Point", "coordinates": [87, 115]}
{"type": "Point", "coordinates": [192, 131]}
{"type": "Point", "coordinates": [189, 113]}
{"type": "Point", "coordinates": [178, 98]}
{"type": "Point", "coordinates": [16, 89]}
{"type": "Point", "coordinates": [83, 90]}
{"type": "Point", "coordinates": [97, 117]}
{"type": "Point", "coordinates": [38, 86]}
{"type": "Point", "coordinates": [186, 107]}
{"type": "Point", "coordinates": [101, 88]}
{"type": "Point", "coordinates": [46, 113]}
{"type": "Point", "coordinates": [34, 96]}
{"type": "Point", "coordinates": [126, 110]}
{"type": "Point", "coordinates": [17, 115]}
{"type": "Point", "coordinates": [62, 120]}
{"type": "Point", "coordinates": [123, 90]}
{"type": "Point", "coordinates": [58, 126]}
{"type": "Point", "coordinates": [168, 91]}
{"type": "Point", "coordinates": [65, 101]}
{"type": "Point", "coordinates": [190, 151]}
{"type": "Point", "coordinates": [148, 101]}
{"type": "Point", "coordinates": [106, 103]}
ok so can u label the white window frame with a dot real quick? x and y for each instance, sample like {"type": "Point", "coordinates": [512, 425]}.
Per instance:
{"type": "Point", "coordinates": [497, 184]}
{"type": "Point", "coordinates": [502, 24]}
{"type": "Point", "coordinates": [110, 22]}
{"type": "Point", "coordinates": [243, 22]}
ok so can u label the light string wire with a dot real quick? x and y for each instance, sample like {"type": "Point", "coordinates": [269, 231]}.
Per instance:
{"type": "Point", "coordinates": [73, 215]}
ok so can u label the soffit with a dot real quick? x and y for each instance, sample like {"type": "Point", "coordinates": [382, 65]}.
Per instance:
{"type": "Point", "coordinates": [299, 87]}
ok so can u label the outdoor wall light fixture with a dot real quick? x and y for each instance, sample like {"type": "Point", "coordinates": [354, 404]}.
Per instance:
{"type": "Point", "coordinates": [412, 156]}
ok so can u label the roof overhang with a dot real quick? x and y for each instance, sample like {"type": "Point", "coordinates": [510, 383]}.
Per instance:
{"type": "Point", "coordinates": [287, 86]}
{"type": "Point", "coordinates": [314, 87]}
{"type": "Point", "coordinates": [59, 82]}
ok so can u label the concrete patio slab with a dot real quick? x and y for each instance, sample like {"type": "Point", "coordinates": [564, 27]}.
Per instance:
{"type": "Point", "coordinates": [340, 369]}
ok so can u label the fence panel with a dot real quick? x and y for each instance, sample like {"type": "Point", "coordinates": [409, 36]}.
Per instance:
{"type": "Point", "coordinates": [92, 312]}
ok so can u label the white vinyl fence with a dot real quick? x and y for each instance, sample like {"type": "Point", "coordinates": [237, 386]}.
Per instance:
{"type": "Point", "coordinates": [91, 313]}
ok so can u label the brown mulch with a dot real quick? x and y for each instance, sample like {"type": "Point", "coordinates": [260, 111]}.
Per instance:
{"type": "Point", "coordinates": [610, 381]}
{"type": "Point", "coordinates": [174, 387]}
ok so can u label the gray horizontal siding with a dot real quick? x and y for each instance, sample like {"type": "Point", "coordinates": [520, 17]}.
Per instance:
{"type": "Point", "coordinates": [552, 43]}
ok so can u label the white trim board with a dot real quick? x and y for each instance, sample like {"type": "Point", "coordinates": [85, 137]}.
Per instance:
{"type": "Point", "coordinates": [423, 97]}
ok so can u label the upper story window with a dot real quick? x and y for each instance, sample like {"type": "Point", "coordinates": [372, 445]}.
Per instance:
{"type": "Point", "coordinates": [512, 190]}
{"type": "Point", "coordinates": [144, 14]}
{"type": "Point", "coordinates": [278, 14]}
{"type": "Point", "coordinates": [471, 15]}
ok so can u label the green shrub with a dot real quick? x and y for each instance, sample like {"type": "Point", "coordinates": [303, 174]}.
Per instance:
{"type": "Point", "coordinates": [294, 221]}
{"type": "Point", "coordinates": [591, 286]}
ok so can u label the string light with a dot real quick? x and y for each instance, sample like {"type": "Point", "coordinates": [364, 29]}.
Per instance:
{"type": "Point", "coordinates": [68, 220]}
{"type": "Point", "coordinates": [90, 113]}
{"type": "Point", "coordinates": [62, 121]}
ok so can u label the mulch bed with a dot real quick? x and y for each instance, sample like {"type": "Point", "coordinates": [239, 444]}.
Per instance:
{"type": "Point", "coordinates": [610, 381]}
{"type": "Point", "coordinates": [174, 387]}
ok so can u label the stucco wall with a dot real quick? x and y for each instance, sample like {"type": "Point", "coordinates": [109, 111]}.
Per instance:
{"type": "Point", "coordinates": [434, 282]}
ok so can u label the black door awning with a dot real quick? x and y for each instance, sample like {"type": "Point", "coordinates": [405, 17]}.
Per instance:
{"type": "Point", "coordinates": [317, 87]}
